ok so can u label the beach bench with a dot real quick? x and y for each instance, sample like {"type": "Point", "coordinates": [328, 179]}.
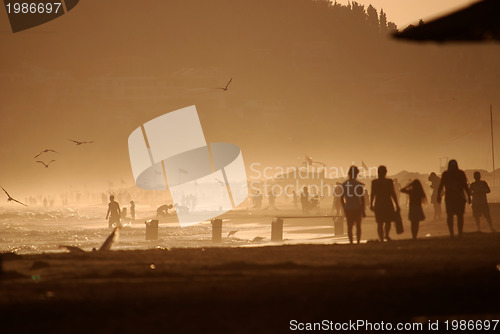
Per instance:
{"type": "Point", "coordinates": [277, 225]}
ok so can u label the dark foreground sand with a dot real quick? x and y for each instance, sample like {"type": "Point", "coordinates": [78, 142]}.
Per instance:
{"type": "Point", "coordinates": [243, 290]}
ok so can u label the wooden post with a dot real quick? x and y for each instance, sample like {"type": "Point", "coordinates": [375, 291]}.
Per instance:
{"type": "Point", "coordinates": [152, 229]}
{"type": "Point", "coordinates": [216, 230]}
{"type": "Point", "coordinates": [277, 229]}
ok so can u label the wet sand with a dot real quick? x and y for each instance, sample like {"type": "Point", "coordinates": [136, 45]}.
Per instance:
{"type": "Point", "coordinates": [258, 289]}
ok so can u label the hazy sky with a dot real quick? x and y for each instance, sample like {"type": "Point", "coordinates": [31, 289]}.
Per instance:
{"type": "Point", "coordinates": [303, 84]}
{"type": "Point", "coordinates": [404, 12]}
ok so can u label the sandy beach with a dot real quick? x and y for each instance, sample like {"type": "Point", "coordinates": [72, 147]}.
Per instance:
{"type": "Point", "coordinates": [257, 289]}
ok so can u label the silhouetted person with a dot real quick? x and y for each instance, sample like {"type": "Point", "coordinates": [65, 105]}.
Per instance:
{"type": "Point", "coordinates": [397, 189]}
{"type": "Point", "coordinates": [193, 202]}
{"type": "Point", "coordinates": [123, 215]}
{"type": "Point", "coordinates": [295, 199]}
{"type": "Point", "coordinates": [337, 195]}
{"type": "Point", "coordinates": [113, 212]}
{"type": "Point", "coordinates": [435, 181]}
{"type": "Point", "coordinates": [272, 200]}
{"type": "Point", "coordinates": [417, 198]}
{"type": "Point", "coordinates": [305, 200]}
{"type": "Point", "coordinates": [162, 211]}
{"type": "Point", "coordinates": [478, 190]}
{"type": "Point", "coordinates": [454, 182]}
{"type": "Point", "coordinates": [257, 199]}
{"type": "Point", "coordinates": [353, 203]}
{"type": "Point", "coordinates": [314, 201]}
{"type": "Point", "coordinates": [381, 198]}
{"type": "Point", "coordinates": [185, 209]}
{"type": "Point", "coordinates": [367, 199]}
{"type": "Point", "coordinates": [132, 210]}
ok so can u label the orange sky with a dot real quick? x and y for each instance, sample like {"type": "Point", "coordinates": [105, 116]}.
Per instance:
{"type": "Point", "coordinates": [103, 69]}
{"type": "Point", "coordinates": [404, 12]}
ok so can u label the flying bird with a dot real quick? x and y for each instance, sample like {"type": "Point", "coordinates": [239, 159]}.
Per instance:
{"type": "Point", "coordinates": [46, 165]}
{"type": "Point", "coordinates": [231, 233]}
{"type": "Point", "coordinates": [81, 142]}
{"type": "Point", "coordinates": [10, 198]}
{"type": "Point", "coordinates": [44, 151]}
{"type": "Point", "coordinates": [225, 88]}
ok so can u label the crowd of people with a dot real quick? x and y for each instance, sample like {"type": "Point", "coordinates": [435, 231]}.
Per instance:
{"type": "Point", "coordinates": [385, 203]}
{"type": "Point", "coordinates": [352, 200]}
{"type": "Point", "coordinates": [116, 216]}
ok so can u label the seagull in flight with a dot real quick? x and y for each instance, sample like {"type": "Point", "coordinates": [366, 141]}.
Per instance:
{"type": "Point", "coordinates": [46, 165]}
{"type": "Point", "coordinates": [225, 88]}
{"type": "Point", "coordinates": [231, 233]}
{"type": "Point", "coordinates": [44, 151]}
{"type": "Point", "coordinates": [81, 142]}
{"type": "Point", "coordinates": [11, 198]}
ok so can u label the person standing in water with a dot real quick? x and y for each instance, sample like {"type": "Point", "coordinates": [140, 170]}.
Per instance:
{"type": "Point", "coordinates": [454, 182]}
{"type": "Point", "coordinates": [417, 198]}
{"type": "Point", "coordinates": [113, 212]}
{"type": "Point", "coordinates": [353, 203]}
{"type": "Point", "coordinates": [479, 189]}
{"type": "Point", "coordinates": [381, 198]}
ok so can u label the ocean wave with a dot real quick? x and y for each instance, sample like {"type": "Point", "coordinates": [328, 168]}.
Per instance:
{"type": "Point", "coordinates": [44, 215]}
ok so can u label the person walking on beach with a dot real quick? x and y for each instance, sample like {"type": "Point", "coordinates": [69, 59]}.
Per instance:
{"type": "Point", "coordinates": [305, 200]}
{"type": "Point", "coordinates": [417, 198]}
{"type": "Point", "coordinates": [454, 182]}
{"type": "Point", "coordinates": [337, 194]}
{"type": "Point", "coordinates": [435, 181]}
{"type": "Point", "coordinates": [257, 199]}
{"type": "Point", "coordinates": [272, 200]}
{"type": "Point", "coordinates": [479, 189]}
{"type": "Point", "coordinates": [113, 212]}
{"type": "Point", "coordinates": [381, 198]}
{"type": "Point", "coordinates": [353, 203]}
{"type": "Point", "coordinates": [132, 210]}
{"type": "Point", "coordinates": [397, 189]}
